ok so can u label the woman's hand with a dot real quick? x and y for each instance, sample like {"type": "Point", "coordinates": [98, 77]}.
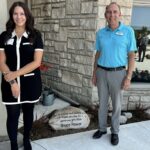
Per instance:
{"type": "Point", "coordinates": [15, 89]}
{"type": "Point", "coordinates": [11, 75]}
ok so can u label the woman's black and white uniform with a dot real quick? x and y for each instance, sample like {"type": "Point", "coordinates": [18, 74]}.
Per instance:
{"type": "Point", "coordinates": [19, 52]}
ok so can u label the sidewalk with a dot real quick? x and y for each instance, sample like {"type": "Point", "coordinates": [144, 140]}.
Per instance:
{"type": "Point", "coordinates": [135, 136]}
{"type": "Point", "coordinates": [39, 111]}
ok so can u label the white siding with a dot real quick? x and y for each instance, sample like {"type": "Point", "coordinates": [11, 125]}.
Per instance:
{"type": "Point", "coordinates": [3, 15]}
{"type": "Point", "coordinates": [3, 18]}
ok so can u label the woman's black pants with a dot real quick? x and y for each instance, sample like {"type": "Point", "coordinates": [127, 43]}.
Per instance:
{"type": "Point", "coordinates": [13, 113]}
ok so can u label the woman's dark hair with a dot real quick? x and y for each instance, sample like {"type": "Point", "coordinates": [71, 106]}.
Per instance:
{"type": "Point", "coordinates": [10, 25]}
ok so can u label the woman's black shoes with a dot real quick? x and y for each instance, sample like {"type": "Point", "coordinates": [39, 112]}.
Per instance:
{"type": "Point", "coordinates": [14, 145]}
{"type": "Point", "coordinates": [27, 144]}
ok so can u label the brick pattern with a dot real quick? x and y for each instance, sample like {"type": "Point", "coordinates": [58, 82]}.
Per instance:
{"type": "Point", "coordinates": [133, 98]}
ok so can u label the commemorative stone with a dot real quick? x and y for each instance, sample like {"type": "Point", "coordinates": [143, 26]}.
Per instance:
{"type": "Point", "coordinates": [69, 118]}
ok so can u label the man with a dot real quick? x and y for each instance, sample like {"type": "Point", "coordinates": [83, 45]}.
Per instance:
{"type": "Point", "coordinates": [115, 45]}
{"type": "Point", "coordinates": [142, 46]}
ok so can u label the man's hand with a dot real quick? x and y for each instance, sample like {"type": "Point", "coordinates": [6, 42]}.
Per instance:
{"type": "Point", "coordinates": [15, 90]}
{"type": "Point", "coordinates": [126, 83]}
{"type": "Point", "coordinates": [94, 79]}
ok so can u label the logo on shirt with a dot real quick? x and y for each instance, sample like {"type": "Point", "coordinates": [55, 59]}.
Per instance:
{"type": "Point", "coordinates": [119, 33]}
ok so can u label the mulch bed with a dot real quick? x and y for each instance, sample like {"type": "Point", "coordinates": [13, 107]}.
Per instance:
{"type": "Point", "coordinates": [41, 129]}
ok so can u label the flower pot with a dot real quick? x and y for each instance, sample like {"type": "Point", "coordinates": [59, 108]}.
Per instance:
{"type": "Point", "coordinates": [48, 99]}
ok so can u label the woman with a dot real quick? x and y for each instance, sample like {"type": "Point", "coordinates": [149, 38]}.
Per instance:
{"type": "Point", "coordinates": [21, 50]}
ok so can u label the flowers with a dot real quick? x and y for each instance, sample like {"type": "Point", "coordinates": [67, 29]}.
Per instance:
{"type": "Point", "coordinates": [44, 67]}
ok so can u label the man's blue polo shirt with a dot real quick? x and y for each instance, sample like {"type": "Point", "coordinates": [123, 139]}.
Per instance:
{"type": "Point", "coordinates": [114, 45]}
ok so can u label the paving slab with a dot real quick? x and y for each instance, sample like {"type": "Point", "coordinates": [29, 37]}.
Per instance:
{"type": "Point", "coordinates": [39, 111]}
{"type": "Point", "coordinates": [135, 136]}
{"type": "Point", "coordinates": [5, 144]}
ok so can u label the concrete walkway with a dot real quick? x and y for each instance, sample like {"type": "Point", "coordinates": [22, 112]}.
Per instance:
{"type": "Point", "coordinates": [39, 111]}
{"type": "Point", "coordinates": [134, 136]}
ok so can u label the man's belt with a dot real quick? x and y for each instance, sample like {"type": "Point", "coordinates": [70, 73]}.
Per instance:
{"type": "Point", "coordinates": [112, 69]}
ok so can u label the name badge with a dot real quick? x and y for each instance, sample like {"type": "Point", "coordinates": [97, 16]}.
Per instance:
{"type": "Point", "coordinates": [10, 42]}
{"type": "Point", "coordinates": [119, 33]}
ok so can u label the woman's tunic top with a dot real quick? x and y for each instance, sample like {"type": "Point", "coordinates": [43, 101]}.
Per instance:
{"type": "Point", "coordinates": [20, 52]}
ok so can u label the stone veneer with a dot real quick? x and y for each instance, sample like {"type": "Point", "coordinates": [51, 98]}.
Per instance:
{"type": "Point", "coordinates": [68, 28]}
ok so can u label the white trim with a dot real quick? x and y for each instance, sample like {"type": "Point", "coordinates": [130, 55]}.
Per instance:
{"type": "Point", "coordinates": [24, 34]}
{"type": "Point", "coordinates": [38, 49]}
{"type": "Point", "coordinates": [29, 74]}
{"type": "Point", "coordinates": [5, 103]}
{"type": "Point", "coordinates": [18, 61]}
{"type": "Point", "coordinates": [27, 43]}
{"type": "Point", "coordinates": [1, 49]}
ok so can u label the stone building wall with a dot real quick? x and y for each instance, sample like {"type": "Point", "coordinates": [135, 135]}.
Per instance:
{"type": "Point", "coordinates": [138, 96]}
{"type": "Point", "coordinates": [68, 28]}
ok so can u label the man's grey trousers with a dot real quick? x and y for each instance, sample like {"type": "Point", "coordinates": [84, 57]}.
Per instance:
{"type": "Point", "coordinates": [109, 84]}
